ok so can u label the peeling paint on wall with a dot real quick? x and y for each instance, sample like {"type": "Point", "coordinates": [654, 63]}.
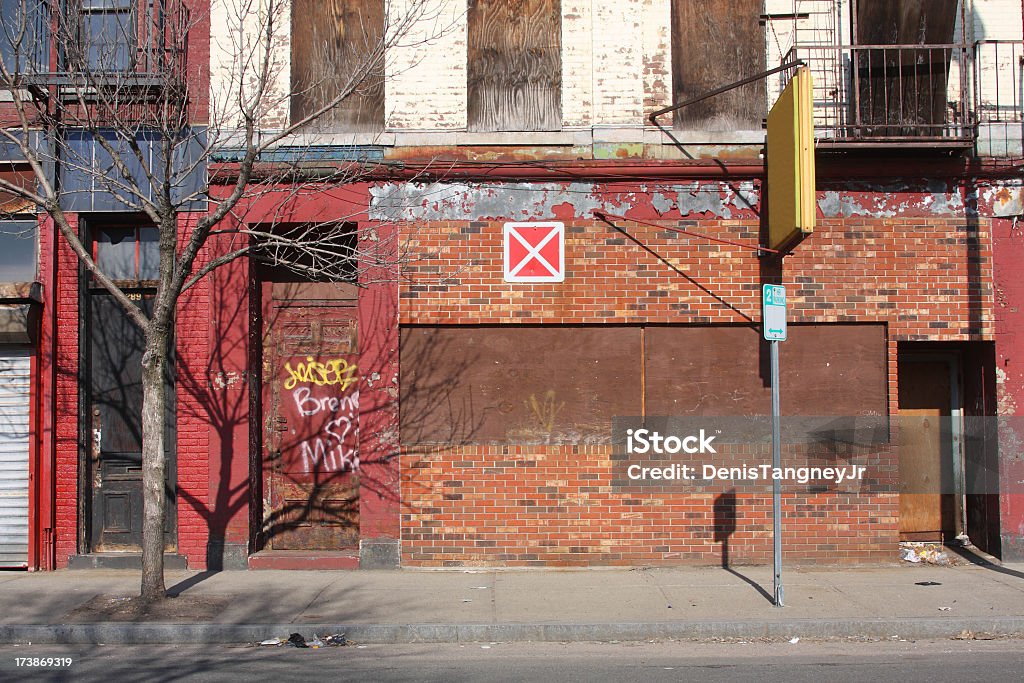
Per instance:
{"type": "Point", "coordinates": [223, 380]}
{"type": "Point", "coordinates": [704, 199]}
{"type": "Point", "coordinates": [1006, 199]}
{"type": "Point", "coordinates": [891, 201]}
{"type": "Point", "coordinates": [462, 202]}
{"type": "Point", "coordinates": [1006, 403]}
{"type": "Point", "coordinates": [538, 201]}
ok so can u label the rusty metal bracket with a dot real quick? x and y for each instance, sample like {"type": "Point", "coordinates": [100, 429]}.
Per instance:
{"type": "Point", "coordinates": [653, 118]}
{"type": "Point", "coordinates": [718, 91]}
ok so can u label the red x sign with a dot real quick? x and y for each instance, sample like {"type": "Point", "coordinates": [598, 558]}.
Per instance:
{"type": "Point", "coordinates": [534, 252]}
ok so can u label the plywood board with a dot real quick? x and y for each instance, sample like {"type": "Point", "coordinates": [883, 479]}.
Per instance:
{"type": "Point", "coordinates": [515, 65]}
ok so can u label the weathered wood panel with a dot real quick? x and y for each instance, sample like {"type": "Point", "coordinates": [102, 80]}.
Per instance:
{"type": "Point", "coordinates": [825, 370]}
{"type": "Point", "coordinates": [310, 417]}
{"type": "Point", "coordinates": [926, 457]}
{"type": "Point", "coordinates": [714, 43]}
{"type": "Point", "coordinates": [517, 384]}
{"type": "Point", "coordinates": [515, 65]}
{"type": "Point", "coordinates": [704, 371]}
{"type": "Point", "coordinates": [834, 369]}
{"type": "Point", "coordinates": [335, 48]}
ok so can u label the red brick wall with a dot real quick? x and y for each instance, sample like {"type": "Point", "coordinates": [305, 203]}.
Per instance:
{"type": "Point", "coordinates": [192, 345]}
{"type": "Point", "coordinates": [926, 277]}
{"type": "Point", "coordinates": [193, 333]}
{"type": "Point", "coordinates": [66, 419]}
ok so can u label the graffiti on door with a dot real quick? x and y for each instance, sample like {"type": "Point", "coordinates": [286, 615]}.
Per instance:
{"type": "Point", "coordinates": [320, 408]}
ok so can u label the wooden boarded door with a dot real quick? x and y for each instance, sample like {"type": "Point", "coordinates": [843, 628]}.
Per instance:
{"type": "Point", "coordinates": [310, 417]}
{"type": "Point", "coordinates": [926, 449]}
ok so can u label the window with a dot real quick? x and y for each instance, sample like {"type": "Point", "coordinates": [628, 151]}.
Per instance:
{"type": "Point", "coordinates": [515, 65]}
{"type": "Point", "coordinates": [107, 34]}
{"type": "Point", "coordinates": [308, 252]}
{"type": "Point", "coordinates": [128, 253]}
{"type": "Point", "coordinates": [714, 43]}
{"type": "Point", "coordinates": [23, 44]}
{"type": "Point", "coordinates": [18, 240]}
{"type": "Point", "coordinates": [331, 43]}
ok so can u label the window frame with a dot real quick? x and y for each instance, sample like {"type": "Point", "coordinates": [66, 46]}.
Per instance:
{"type": "Point", "coordinates": [27, 219]}
{"type": "Point", "coordinates": [128, 39]}
{"type": "Point", "coordinates": [136, 228]}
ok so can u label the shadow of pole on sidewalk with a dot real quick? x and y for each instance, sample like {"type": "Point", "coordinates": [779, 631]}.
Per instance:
{"type": "Point", "coordinates": [725, 526]}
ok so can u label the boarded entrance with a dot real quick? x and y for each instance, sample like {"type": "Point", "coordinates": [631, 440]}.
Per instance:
{"type": "Point", "coordinates": [310, 416]}
{"type": "Point", "coordinates": [927, 504]}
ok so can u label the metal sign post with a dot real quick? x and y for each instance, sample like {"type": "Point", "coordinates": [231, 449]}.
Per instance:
{"type": "Point", "coordinates": [773, 320]}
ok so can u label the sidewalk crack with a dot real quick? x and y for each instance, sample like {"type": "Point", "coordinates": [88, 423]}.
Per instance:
{"type": "Point", "coordinates": [312, 600]}
{"type": "Point", "coordinates": [494, 597]}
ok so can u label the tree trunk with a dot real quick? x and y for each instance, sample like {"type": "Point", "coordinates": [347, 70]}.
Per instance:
{"type": "Point", "coordinates": [154, 464]}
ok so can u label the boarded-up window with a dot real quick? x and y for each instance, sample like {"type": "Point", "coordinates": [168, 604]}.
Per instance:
{"type": "Point", "coordinates": [824, 370]}
{"type": "Point", "coordinates": [563, 385]}
{"type": "Point", "coordinates": [336, 50]}
{"type": "Point", "coordinates": [517, 384]}
{"type": "Point", "coordinates": [515, 65]}
{"type": "Point", "coordinates": [714, 43]}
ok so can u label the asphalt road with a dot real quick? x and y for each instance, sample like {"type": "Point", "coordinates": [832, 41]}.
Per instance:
{"type": "Point", "coordinates": [904, 662]}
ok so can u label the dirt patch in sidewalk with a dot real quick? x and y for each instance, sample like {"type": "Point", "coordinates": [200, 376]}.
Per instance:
{"type": "Point", "coordinates": [110, 608]}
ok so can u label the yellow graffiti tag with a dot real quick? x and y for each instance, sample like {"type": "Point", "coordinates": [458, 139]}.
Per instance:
{"type": "Point", "coordinates": [336, 371]}
{"type": "Point", "coordinates": [545, 410]}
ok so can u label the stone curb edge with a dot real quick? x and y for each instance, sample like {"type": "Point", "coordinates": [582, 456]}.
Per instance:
{"type": "Point", "coordinates": [165, 633]}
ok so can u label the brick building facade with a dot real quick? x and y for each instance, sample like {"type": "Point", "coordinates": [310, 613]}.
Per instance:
{"type": "Point", "coordinates": [474, 426]}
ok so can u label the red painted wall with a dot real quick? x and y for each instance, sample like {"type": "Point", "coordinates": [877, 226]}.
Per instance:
{"type": "Point", "coordinates": [66, 405]}
{"type": "Point", "coordinates": [1008, 239]}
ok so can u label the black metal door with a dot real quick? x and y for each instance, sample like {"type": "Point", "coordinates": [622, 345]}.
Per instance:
{"type": "Point", "coordinates": [115, 346]}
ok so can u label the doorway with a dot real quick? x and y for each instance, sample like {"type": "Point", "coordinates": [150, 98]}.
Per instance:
{"type": "Point", "coordinates": [112, 350]}
{"type": "Point", "coordinates": [310, 416]}
{"type": "Point", "coordinates": [930, 447]}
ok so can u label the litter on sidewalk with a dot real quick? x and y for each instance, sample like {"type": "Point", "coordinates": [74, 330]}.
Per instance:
{"type": "Point", "coordinates": [314, 643]}
{"type": "Point", "coordinates": [923, 553]}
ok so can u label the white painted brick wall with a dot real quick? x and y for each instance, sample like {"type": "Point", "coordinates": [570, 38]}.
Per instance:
{"type": "Point", "coordinates": [996, 19]}
{"type": "Point", "coordinates": [426, 73]}
{"type": "Point", "coordinates": [577, 63]}
{"type": "Point", "coordinates": [618, 62]}
{"type": "Point", "coordinates": [657, 56]}
{"type": "Point", "coordinates": [236, 43]}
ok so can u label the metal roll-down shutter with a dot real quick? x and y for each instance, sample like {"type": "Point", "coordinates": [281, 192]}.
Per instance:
{"type": "Point", "coordinates": [15, 384]}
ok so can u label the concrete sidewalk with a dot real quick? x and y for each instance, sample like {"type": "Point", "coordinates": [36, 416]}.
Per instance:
{"type": "Point", "coordinates": [470, 605]}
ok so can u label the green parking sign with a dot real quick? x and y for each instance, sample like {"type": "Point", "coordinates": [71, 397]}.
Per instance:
{"type": "Point", "coordinates": [773, 309]}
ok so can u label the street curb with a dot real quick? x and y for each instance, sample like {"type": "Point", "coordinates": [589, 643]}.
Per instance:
{"type": "Point", "coordinates": [182, 634]}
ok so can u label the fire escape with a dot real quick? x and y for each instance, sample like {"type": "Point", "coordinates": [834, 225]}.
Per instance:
{"type": "Point", "coordinates": [908, 74]}
{"type": "Point", "coordinates": [119, 58]}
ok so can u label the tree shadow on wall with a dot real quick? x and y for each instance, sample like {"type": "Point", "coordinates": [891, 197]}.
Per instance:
{"type": "Point", "coordinates": [290, 452]}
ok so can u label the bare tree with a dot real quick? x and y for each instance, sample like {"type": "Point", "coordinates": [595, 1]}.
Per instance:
{"type": "Point", "coordinates": [125, 85]}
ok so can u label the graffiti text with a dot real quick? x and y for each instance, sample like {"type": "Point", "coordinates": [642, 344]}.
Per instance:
{"type": "Point", "coordinates": [333, 372]}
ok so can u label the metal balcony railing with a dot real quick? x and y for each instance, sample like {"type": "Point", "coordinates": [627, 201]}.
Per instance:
{"type": "Point", "coordinates": [896, 94]}
{"type": "Point", "coordinates": [999, 80]}
{"type": "Point", "coordinates": [999, 97]}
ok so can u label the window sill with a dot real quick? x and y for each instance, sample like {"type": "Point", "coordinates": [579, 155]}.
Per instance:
{"type": "Point", "coordinates": [21, 292]}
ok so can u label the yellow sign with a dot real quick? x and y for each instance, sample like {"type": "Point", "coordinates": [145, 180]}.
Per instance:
{"type": "Point", "coordinates": [791, 199]}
